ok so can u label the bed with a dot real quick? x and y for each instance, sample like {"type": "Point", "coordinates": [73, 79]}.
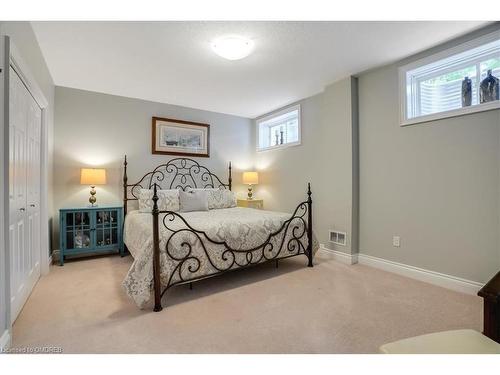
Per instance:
{"type": "Point", "coordinates": [172, 248]}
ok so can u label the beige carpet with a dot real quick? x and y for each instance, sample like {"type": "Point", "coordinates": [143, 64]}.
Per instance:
{"type": "Point", "coordinates": [331, 308]}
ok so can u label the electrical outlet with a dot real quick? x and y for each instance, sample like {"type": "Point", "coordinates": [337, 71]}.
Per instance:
{"type": "Point", "coordinates": [396, 241]}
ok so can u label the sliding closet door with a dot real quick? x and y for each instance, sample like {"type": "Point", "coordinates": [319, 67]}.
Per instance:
{"type": "Point", "coordinates": [24, 192]}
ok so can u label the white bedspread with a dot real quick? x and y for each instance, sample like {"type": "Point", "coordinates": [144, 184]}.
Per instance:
{"type": "Point", "coordinates": [241, 228]}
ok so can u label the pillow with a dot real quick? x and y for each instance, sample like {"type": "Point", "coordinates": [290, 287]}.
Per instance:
{"type": "Point", "coordinates": [219, 198]}
{"type": "Point", "coordinates": [193, 200]}
{"type": "Point", "coordinates": [168, 200]}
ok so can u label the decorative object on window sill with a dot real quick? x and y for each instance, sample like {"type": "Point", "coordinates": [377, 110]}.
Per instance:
{"type": "Point", "coordinates": [250, 178]}
{"type": "Point", "coordinates": [93, 177]}
{"type": "Point", "coordinates": [489, 89]}
{"type": "Point", "coordinates": [278, 129]}
{"type": "Point", "coordinates": [466, 92]}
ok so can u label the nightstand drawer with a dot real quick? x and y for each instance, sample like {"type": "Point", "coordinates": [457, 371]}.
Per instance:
{"type": "Point", "coordinates": [251, 203]}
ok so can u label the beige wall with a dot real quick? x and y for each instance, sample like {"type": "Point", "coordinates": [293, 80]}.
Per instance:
{"type": "Point", "coordinates": [93, 129]}
{"type": "Point", "coordinates": [324, 158]}
{"type": "Point", "coordinates": [435, 184]}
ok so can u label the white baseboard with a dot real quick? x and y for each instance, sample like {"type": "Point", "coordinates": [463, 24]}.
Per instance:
{"type": "Point", "coordinates": [339, 255]}
{"type": "Point", "coordinates": [5, 341]}
{"type": "Point", "coordinates": [440, 279]}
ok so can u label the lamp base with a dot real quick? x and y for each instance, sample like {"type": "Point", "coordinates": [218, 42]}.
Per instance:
{"type": "Point", "coordinates": [92, 198]}
{"type": "Point", "coordinates": [250, 193]}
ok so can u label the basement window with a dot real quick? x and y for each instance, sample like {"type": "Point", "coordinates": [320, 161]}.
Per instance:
{"type": "Point", "coordinates": [278, 130]}
{"type": "Point", "coordinates": [431, 88]}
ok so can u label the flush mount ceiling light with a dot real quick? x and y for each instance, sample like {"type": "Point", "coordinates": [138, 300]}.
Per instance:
{"type": "Point", "coordinates": [232, 47]}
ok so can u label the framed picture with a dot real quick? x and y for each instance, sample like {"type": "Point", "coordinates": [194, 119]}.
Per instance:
{"type": "Point", "coordinates": [177, 137]}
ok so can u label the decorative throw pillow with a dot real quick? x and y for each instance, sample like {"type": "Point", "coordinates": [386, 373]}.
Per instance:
{"type": "Point", "coordinates": [168, 200]}
{"type": "Point", "coordinates": [193, 200]}
{"type": "Point", "coordinates": [219, 197]}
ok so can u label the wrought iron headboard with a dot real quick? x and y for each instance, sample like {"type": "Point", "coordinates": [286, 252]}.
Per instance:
{"type": "Point", "coordinates": [178, 173]}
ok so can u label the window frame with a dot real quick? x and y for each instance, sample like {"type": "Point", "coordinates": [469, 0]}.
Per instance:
{"type": "Point", "coordinates": [464, 47]}
{"type": "Point", "coordinates": [259, 120]}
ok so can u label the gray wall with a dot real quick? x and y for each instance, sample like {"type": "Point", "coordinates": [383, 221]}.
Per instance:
{"type": "Point", "coordinates": [435, 184]}
{"type": "Point", "coordinates": [325, 158]}
{"type": "Point", "coordinates": [93, 129]}
{"type": "Point", "coordinates": [21, 34]}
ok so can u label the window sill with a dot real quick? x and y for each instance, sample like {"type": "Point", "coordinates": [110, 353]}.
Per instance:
{"type": "Point", "coordinates": [453, 113]}
{"type": "Point", "coordinates": [286, 145]}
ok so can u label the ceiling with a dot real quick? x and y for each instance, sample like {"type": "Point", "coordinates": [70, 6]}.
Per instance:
{"type": "Point", "coordinates": [172, 62]}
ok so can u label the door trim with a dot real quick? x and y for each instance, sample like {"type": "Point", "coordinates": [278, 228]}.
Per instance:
{"type": "Point", "coordinates": [5, 215]}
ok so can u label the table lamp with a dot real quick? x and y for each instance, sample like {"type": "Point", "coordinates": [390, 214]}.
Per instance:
{"type": "Point", "coordinates": [93, 177]}
{"type": "Point", "coordinates": [250, 178]}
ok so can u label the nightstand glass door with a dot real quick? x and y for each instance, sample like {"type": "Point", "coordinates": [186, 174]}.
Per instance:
{"type": "Point", "coordinates": [78, 230]}
{"type": "Point", "coordinates": [106, 228]}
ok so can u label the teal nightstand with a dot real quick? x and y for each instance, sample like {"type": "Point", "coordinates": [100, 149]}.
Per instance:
{"type": "Point", "coordinates": [90, 230]}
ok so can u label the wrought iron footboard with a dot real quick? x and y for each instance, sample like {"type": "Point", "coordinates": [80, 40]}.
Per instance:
{"type": "Point", "coordinates": [293, 238]}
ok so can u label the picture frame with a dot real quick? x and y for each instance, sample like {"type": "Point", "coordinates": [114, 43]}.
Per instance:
{"type": "Point", "coordinates": [179, 137]}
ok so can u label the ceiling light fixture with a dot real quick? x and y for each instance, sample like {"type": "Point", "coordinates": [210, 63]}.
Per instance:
{"type": "Point", "coordinates": [232, 47]}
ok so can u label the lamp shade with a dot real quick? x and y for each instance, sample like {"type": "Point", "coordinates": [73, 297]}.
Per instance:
{"type": "Point", "coordinates": [250, 178]}
{"type": "Point", "coordinates": [93, 176]}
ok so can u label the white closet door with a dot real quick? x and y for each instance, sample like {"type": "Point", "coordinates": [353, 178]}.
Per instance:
{"type": "Point", "coordinates": [24, 192]}
{"type": "Point", "coordinates": [17, 191]}
{"type": "Point", "coordinates": [33, 186]}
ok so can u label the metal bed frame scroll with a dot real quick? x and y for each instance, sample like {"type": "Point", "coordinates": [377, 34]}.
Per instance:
{"type": "Point", "coordinates": [183, 173]}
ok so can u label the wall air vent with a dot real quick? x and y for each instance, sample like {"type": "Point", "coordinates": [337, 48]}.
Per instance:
{"type": "Point", "coordinates": [338, 238]}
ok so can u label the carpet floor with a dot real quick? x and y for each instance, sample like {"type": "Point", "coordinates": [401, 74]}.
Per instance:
{"type": "Point", "coordinates": [331, 308]}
